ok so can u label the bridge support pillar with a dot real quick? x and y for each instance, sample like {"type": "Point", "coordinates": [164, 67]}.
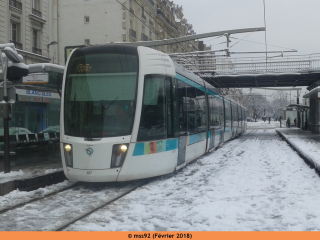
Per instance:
{"type": "Point", "coordinates": [313, 117]}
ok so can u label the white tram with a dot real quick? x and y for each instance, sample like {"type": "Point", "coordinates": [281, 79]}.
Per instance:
{"type": "Point", "coordinates": [130, 113]}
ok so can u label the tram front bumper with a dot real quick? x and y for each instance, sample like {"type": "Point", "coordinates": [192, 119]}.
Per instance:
{"type": "Point", "coordinates": [105, 175]}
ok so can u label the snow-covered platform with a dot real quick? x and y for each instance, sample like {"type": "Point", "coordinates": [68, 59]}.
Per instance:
{"type": "Point", "coordinates": [30, 172]}
{"type": "Point", "coordinates": [306, 143]}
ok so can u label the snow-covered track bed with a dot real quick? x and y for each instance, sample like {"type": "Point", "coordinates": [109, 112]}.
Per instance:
{"type": "Point", "coordinates": [38, 195]}
{"type": "Point", "coordinates": [60, 209]}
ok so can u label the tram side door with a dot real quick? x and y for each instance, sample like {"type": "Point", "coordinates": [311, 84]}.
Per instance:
{"type": "Point", "coordinates": [182, 122]}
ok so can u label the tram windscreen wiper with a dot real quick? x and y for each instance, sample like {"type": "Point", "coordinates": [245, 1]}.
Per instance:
{"type": "Point", "coordinates": [87, 134]}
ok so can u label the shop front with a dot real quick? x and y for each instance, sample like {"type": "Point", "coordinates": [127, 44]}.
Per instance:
{"type": "Point", "coordinates": [35, 115]}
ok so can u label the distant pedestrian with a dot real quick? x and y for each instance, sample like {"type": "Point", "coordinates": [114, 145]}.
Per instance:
{"type": "Point", "coordinates": [306, 124]}
{"type": "Point", "coordinates": [295, 122]}
{"type": "Point", "coordinates": [288, 122]}
{"type": "Point", "coordinates": [269, 119]}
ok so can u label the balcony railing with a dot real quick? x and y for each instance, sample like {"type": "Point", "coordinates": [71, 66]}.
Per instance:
{"type": "Point", "coordinates": [15, 4]}
{"type": "Point", "coordinates": [159, 12]}
{"type": "Point", "coordinates": [17, 44]}
{"type": "Point", "coordinates": [36, 13]}
{"type": "Point", "coordinates": [144, 37]}
{"type": "Point", "coordinates": [132, 33]}
{"type": "Point", "coordinates": [37, 51]}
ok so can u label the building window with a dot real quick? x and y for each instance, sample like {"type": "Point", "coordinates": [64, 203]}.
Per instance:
{"type": "Point", "coordinates": [86, 19]}
{"type": "Point", "coordinates": [15, 35]}
{"type": "Point", "coordinates": [14, 32]}
{"type": "Point", "coordinates": [87, 42]}
{"type": "Point", "coordinates": [36, 8]}
{"type": "Point", "coordinates": [35, 38]}
{"type": "Point", "coordinates": [142, 14]}
{"type": "Point", "coordinates": [35, 42]}
{"type": "Point", "coordinates": [36, 4]}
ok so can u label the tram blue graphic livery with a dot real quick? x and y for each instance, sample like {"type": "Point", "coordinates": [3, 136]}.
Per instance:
{"type": "Point", "coordinates": [130, 113]}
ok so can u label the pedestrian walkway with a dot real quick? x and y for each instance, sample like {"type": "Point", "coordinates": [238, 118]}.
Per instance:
{"type": "Point", "coordinates": [306, 143]}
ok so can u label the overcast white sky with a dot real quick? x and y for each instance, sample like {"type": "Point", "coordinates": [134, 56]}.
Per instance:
{"type": "Point", "coordinates": [291, 24]}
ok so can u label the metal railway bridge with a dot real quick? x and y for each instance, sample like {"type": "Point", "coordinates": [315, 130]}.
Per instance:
{"type": "Point", "coordinates": [291, 71]}
{"type": "Point", "coordinates": [244, 72]}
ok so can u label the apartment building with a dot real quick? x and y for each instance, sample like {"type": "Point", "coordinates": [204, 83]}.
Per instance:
{"type": "Point", "coordinates": [91, 22]}
{"type": "Point", "coordinates": [41, 29]}
{"type": "Point", "coordinates": [28, 24]}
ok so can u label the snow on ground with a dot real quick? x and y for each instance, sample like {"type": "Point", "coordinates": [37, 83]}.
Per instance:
{"type": "Point", "coordinates": [16, 197]}
{"type": "Point", "coordinates": [305, 142]}
{"type": "Point", "coordinates": [29, 172]}
{"type": "Point", "coordinates": [253, 183]}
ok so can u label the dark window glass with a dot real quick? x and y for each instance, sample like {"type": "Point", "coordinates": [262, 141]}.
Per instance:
{"type": "Point", "coordinates": [193, 107]}
{"type": "Point", "coordinates": [227, 113]}
{"type": "Point", "coordinates": [100, 95]}
{"type": "Point", "coordinates": [201, 113]}
{"type": "Point", "coordinates": [153, 114]}
{"type": "Point", "coordinates": [14, 32]}
{"type": "Point", "coordinates": [215, 106]}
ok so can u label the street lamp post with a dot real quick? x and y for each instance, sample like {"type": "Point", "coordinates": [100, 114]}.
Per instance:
{"type": "Point", "coordinates": [6, 146]}
{"type": "Point", "coordinates": [13, 70]}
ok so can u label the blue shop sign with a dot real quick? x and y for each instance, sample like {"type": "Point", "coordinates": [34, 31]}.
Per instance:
{"type": "Point", "coordinates": [37, 93]}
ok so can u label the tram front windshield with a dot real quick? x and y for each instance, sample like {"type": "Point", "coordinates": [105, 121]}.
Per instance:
{"type": "Point", "coordinates": [100, 94]}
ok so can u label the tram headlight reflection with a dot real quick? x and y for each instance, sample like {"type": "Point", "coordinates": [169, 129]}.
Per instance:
{"type": "Point", "coordinates": [119, 152]}
{"type": "Point", "coordinates": [68, 154]}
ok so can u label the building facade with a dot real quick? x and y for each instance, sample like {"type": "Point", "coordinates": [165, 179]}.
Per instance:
{"type": "Point", "coordinates": [91, 22]}
{"type": "Point", "coordinates": [28, 24]}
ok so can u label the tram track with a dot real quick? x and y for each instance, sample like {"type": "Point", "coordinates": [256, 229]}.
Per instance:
{"type": "Point", "coordinates": [58, 210]}
{"type": "Point", "coordinates": [4, 210]}
{"type": "Point", "coordinates": [113, 199]}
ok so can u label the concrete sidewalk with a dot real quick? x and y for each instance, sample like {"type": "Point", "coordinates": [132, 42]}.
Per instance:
{"type": "Point", "coordinates": [305, 143]}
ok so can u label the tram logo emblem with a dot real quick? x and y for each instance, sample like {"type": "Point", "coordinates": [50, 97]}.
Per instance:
{"type": "Point", "coordinates": [89, 151]}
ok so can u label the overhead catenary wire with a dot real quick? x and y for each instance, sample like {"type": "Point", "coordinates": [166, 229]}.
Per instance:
{"type": "Point", "coordinates": [160, 36]}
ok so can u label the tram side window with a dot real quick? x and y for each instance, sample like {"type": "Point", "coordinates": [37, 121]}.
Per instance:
{"type": "Point", "coordinates": [221, 112]}
{"type": "Point", "coordinates": [228, 113]}
{"type": "Point", "coordinates": [235, 114]}
{"type": "Point", "coordinates": [153, 124]}
{"type": "Point", "coordinates": [215, 111]}
{"type": "Point", "coordinates": [193, 107]}
{"type": "Point", "coordinates": [201, 110]}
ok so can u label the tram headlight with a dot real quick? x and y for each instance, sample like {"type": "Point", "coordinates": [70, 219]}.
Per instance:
{"type": "Point", "coordinates": [123, 148]}
{"type": "Point", "coordinates": [119, 152]}
{"type": "Point", "coordinates": [68, 154]}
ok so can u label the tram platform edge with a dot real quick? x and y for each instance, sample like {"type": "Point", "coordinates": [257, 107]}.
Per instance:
{"type": "Point", "coordinates": [33, 183]}
{"type": "Point", "coordinates": [305, 143]}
